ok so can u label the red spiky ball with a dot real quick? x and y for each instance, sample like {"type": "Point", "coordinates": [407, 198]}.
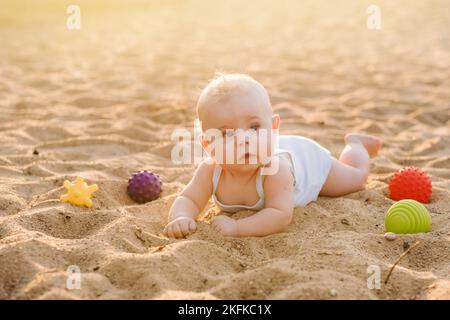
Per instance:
{"type": "Point", "coordinates": [410, 183]}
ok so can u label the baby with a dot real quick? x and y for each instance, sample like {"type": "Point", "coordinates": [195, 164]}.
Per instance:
{"type": "Point", "coordinates": [237, 122]}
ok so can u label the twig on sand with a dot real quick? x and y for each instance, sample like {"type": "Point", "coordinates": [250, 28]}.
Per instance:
{"type": "Point", "coordinates": [400, 258]}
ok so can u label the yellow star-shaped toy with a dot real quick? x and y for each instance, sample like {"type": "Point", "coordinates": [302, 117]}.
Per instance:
{"type": "Point", "coordinates": [79, 193]}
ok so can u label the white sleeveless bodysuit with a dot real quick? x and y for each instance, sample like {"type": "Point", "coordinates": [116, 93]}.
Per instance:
{"type": "Point", "coordinates": [310, 165]}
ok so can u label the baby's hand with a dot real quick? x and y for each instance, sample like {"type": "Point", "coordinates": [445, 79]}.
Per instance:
{"type": "Point", "coordinates": [225, 225]}
{"type": "Point", "coordinates": [180, 227]}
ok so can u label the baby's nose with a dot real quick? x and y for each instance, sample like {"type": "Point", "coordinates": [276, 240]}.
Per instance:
{"type": "Point", "coordinates": [242, 137]}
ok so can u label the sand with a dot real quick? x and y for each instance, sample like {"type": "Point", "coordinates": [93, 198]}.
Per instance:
{"type": "Point", "coordinates": [101, 102]}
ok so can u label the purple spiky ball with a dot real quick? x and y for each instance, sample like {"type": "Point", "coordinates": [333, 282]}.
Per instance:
{"type": "Point", "coordinates": [144, 186]}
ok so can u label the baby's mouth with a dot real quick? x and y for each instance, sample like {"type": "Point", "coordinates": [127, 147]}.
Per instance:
{"type": "Point", "coordinates": [249, 158]}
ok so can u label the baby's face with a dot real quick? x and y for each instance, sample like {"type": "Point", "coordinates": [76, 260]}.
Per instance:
{"type": "Point", "coordinates": [237, 132]}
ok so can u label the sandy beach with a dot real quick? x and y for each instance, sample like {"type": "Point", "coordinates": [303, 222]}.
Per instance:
{"type": "Point", "coordinates": [102, 102]}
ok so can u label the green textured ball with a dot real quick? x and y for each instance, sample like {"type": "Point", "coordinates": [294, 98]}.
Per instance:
{"type": "Point", "coordinates": [407, 216]}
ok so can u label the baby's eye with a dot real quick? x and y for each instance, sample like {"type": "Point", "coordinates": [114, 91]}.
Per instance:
{"type": "Point", "coordinates": [254, 128]}
{"type": "Point", "coordinates": [228, 133]}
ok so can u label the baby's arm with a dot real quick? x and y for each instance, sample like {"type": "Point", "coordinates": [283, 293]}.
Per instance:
{"type": "Point", "coordinates": [275, 217]}
{"type": "Point", "coordinates": [190, 202]}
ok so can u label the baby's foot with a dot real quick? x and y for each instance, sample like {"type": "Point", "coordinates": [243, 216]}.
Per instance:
{"type": "Point", "coordinates": [371, 143]}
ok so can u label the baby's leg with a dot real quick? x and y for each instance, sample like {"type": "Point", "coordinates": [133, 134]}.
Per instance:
{"type": "Point", "coordinates": [350, 172]}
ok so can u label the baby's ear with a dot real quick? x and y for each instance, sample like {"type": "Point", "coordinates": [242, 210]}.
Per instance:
{"type": "Point", "coordinates": [275, 122]}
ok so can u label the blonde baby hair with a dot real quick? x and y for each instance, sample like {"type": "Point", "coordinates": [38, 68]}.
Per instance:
{"type": "Point", "coordinates": [226, 85]}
